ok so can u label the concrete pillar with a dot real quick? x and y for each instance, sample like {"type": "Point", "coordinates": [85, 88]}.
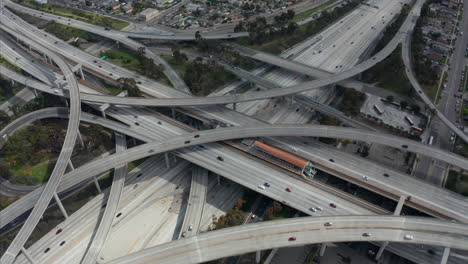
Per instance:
{"type": "Point", "coordinates": [168, 162]}
{"type": "Point", "coordinates": [60, 205]}
{"type": "Point", "coordinates": [219, 179]}
{"type": "Point", "coordinates": [381, 250]}
{"type": "Point", "coordinates": [13, 82]}
{"type": "Point", "coordinates": [70, 164]}
{"type": "Point", "coordinates": [400, 204]}
{"type": "Point", "coordinates": [173, 112]}
{"type": "Point", "coordinates": [234, 106]}
{"type": "Point", "coordinates": [35, 92]}
{"type": "Point", "coordinates": [134, 142]}
{"type": "Point", "coordinates": [65, 101]}
{"type": "Point", "coordinates": [445, 256]}
{"type": "Point", "coordinates": [96, 182]}
{"type": "Point", "coordinates": [80, 139]}
{"type": "Point", "coordinates": [103, 113]}
{"type": "Point", "coordinates": [258, 256]}
{"type": "Point", "coordinates": [322, 249]}
{"type": "Point", "coordinates": [270, 256]}
{"type": "Point", "coordinates": [28, 257]}
{"type": "Point", "coordinates": [81, 73]}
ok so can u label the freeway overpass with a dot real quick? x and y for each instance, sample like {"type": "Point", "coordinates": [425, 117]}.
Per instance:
{"type": "Point", "coordinates": [306, 230]}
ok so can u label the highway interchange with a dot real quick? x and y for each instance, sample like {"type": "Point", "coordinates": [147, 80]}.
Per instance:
{"type": "Point", "coordinates": [242, 131]}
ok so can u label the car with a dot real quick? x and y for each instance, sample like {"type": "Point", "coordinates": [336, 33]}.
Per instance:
{"type": "Point", "coordinates": [312, 209]}
{"type": "Point", "coordinates": [331, 160]}
{"type": "Point", "coordinates": [106, 28]}
{"type": "Point", "coordinates": [190, 227]}
{"type": "Point", "coordinates": [366, 234]}
{"type": "Point", "coordinates": [261, 187]}
{"type": "Point", "coordinates": [408, 237]}
{"type": "Point", "coordinates": [319, 208]}
{"type": "Point", "coordinates": [183, 234]}
{"type": "Point", "coordinates": [266, 184]}
{"type": "Point", "coordinates": [46, 250]}
{"type": "Point", "coordinates": [187, 142]}
{"type": "Point", "coordinates": [332, 205]}
{"type": "Point", "coordinates": [292, 239]}
{"type": "Point", "coordinates": [220, 158]}
{"type": "Point", "coordinates": [328, 224]}
{"type": "Point", "coordinates": [100, 66]}
{"type": "Point", "coordinates": [365, 178]}
{"type": "Point", "coordinates": [138, 82]}
{"type": "Point", "coordinates": [56, 91]}
{"type": "Point", "coordinates": [288, 189]}
{"type": "Point", "coordinates": [253, 216]}
{"type": "Point", "coordinates": [55, 42]}
{"type": "Point", "coordinates": [58, 231]}
{"type": "Point", "coordinates": [95, 61]}
{"type": "Point", "coordinates": [151, 151]}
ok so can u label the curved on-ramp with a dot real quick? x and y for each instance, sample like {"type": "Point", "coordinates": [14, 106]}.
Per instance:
{"type": "Point", "coordinates": [70, 138]}
{"type": "Point", "coordinates": [406, 55]}
{"type": "Point", "coordinates": [307, 230]}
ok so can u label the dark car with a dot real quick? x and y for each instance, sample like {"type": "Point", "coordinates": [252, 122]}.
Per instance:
{"type": "Point", "coordinates": [220, 158]}
{"type": "Point", "coordinates": [332, 205]}
{"type": "Point", "coordinates": [292, 239]}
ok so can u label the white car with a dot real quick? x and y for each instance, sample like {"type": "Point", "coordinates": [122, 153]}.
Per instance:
{"type": "Point", "coordinates": [408, 237]}
{"type": "Point", "coordinates": [261, 187]}
{"type": "Point", "coordinates": [190, 227]}
{"type": "Point", "coordinates": [56, 91]}
{"type": "Point", "coordinates": [365, 178]}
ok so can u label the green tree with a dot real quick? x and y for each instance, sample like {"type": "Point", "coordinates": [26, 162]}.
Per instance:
{"type": "Point", "coordinates": [390, 98]}
{"type": "Point", "coordinates": [403, 104]}
{"type": "Point", "coordinates": [129, 84]}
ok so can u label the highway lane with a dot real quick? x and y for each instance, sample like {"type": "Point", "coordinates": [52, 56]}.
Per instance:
{"type": "Point", "coordinates": [307, 230]}
{"type": "Point", "coordinates": [216, 135]}
{"type": "Point", "coordinates": [146, 181]}
{"type": "Point", "coordinates": [196, 202]}
{"type": "Point", "coordinates": [193, 101]}
{"type": "Point", "coordinates": [62, 162]}
{"type": "Point", "coordinates": [118, 181]}
{"type": "Point", "coordinates": [406, 55]}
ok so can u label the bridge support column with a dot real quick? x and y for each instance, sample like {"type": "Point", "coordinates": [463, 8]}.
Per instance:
{"type": "Point", "coordinates": [103, 113]}
{"type": "Point", "coordinates": [70, 164]}
{"type": "Point", "coordinates": [35, 92]}
{"type": "Point", "coordinates": [65, 101]}
{"type": "Point", "coordinates": [270, 256]}
{"type": "Point", "coordinates": [80, 139]}
{"type": "Point", "coordinates": [173, 112]}
{"type": "Point", "coordinates": [445, 256]}
{"type": "Point", "coordinates": [81, 73]}
{"type": "Point", "coordinates": [234, 106]}
{"type": "Point", "coordinates": [400, 204]}
{"type": "Point", "coordinates": [381, 250]}
{"type": "Point", "coordinates": [218, 178]}
{"type": "Point", "coordinates": [322, 249]}
{"type": "Point", "coordinates": [60, 205]}
{"type": "Point", "coordinates": [96, 182]}
{"type": "Point", "coordinates": [258, 256]}
{"type": "Point", "coordinates": [168, 162]}
{"type": "Point", "coordinates": [28, 257]}
{"type": "Point", "coordinates": [13, 83]}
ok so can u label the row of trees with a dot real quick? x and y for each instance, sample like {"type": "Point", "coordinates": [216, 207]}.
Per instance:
{"type": "Point", "coordinates": [204, 76]}
{"type": "Point", "coordinates": [233, 217]}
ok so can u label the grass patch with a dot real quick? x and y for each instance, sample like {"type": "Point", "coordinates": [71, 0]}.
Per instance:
{"type": "Point", "coordinates": [39, 172]}
{"type": "Point", "coordinates": [113, 89]}
{"type": "Point", "coordinates": [390, 75]}
{"type": "Point", "coordinates": [430, 90]}
{"type": "Point", "coordinates": [309, 12]}
{"type": "Point", "coordinates": [77, 14]}
{"type": "Point", "coordinates": [457, 182]}
{"type": "Point", "coordinates": [134, 164]}
{"type": "Point", "coordinates": [65, 33]}
{"type": "Point", "coordinates": [10, 66]}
